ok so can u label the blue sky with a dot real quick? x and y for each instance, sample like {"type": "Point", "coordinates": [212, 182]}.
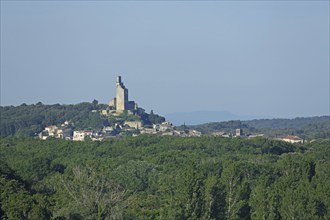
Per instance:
{"type": "Point", "coordinates": [263, 58]}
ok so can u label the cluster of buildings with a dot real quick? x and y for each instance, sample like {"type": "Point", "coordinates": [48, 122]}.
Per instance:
{"type": "Point", "coordinates": [239, 133]}
{"type": "Point", "coordinates": [117, 106]}
{"type": "Point", "coordinates": [64, 131]}
{"type": "Point", "coordinates": [163, 129]}
{"type": "Point", "coordinates": [167, 129]}
{"type": "Point", "coordinates": [121, 104]}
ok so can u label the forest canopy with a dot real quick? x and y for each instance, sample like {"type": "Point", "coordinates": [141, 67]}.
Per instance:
{"type": "Point", "coordinates": [151, 177]}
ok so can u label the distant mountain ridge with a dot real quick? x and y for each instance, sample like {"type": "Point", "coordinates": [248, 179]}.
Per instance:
{"type": "Point", "coordinates": [306, 127]}
{"type": "Point", "coordinates": [201, 117]}
{"type": "Point", "coordinates": [295, 123]}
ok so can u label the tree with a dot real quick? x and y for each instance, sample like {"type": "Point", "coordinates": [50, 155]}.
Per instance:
{"type": "Point", "coordinates": [233, 179]}
{"type": "Point", "coordinates": [260, 200]}
{"type": "Point", "coordinates": [214, 198]}
{"type": "Point", "coordinates": [16, 202]}
{"type": "Point", "coordinates": [92, 196]}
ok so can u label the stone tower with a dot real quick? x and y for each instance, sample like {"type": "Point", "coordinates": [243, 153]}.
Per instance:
{"type": "Point", "coordinates": [121, 95]}
{"type": "Point", "coordinates": [239, 132]}
{"type": "Point", "coordinates": [120, 103]}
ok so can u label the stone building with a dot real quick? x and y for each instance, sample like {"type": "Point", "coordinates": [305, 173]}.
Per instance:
{"type": "Point", "coordinates": [239, 132]}
{"type": "Point", "coordinates": [51, 130]}
{"type": "Point", "coordinates": [121, 103]}
{"type": "Point", "coordinates": [134, 124]}
{"type": "Point", "coordinates": [62, 132]}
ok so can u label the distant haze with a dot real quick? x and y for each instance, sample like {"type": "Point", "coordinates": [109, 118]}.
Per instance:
{"type": "Point", "coordinates": [260, 58]}
{"type": "Point", "coordinates": [201, 117]}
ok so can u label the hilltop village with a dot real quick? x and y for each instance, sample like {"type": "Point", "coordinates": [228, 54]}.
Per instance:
{"type": "Point", "coordinates": [125, 119]}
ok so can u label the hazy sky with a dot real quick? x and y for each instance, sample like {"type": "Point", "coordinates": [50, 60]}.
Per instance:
{"type": "Point", "coordinates": [264, 58]}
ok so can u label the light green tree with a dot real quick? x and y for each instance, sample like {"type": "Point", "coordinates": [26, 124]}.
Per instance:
{"type": "Point", "coordinates": [91, 196]}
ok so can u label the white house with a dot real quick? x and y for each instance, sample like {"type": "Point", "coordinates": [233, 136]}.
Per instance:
{"type": "Point", "coordinates": [292, 139]}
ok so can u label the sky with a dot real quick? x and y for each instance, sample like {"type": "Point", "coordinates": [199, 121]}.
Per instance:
{"type": "Point", "coordinates": [262, 58]}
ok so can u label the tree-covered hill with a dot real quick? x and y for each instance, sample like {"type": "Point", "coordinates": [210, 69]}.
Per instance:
{"type": "Point", "coordinates": [151, 177]}
{"type": "Point", "coordinates": [226, 126]}
{"type": "Point", "coordinates": [31, 119]}
{"type": "Point", "coordinates": [28, 120]}
{"type": "Point", "coordinates": [296, 123]}
{"type": "Point", "coordinates": [308, 128]}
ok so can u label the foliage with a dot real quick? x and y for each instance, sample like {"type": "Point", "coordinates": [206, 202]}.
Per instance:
{"type": "Point", "coordinates": [28, 120]}
{"type": "Point", "coordinates": [151, 177]}
{"type": "Point", "coordinates": [307, 128]}
{"type": "Point", "coordinates": [95, 196]}
{"type": "Point", "coordinates": [149, 119]}
{"type": "Point", "coordinates": [227, 126]}
{"type": "Point", "coordinates": [296, 123]}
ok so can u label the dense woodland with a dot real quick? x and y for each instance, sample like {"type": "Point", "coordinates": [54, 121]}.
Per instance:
{"type": "Point", "coordinates": [151, 177]}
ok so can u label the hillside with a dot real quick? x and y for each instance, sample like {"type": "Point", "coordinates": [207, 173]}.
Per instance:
{"type": "Point", "coordinates": [296, 123]}
{"type": "Point", "coordinates": [309, 127]}
{"type": "Point", "coordinates": [29, 120]}
{"type": "Point", "coordinates": [201, 117]}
